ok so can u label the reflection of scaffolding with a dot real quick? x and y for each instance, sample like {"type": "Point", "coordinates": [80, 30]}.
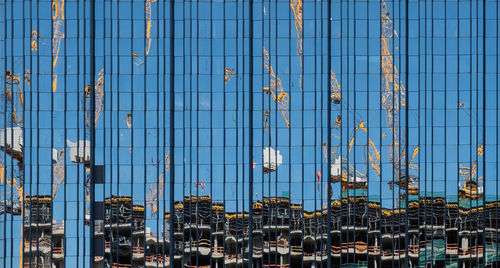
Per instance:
{"type": "Point", "coordinates": [57, 36]}
{"type": "Point", "coordinates": [276, 89]}
{"type": "Point", "coordinates": [43, 243]}
{"type": "Point", "coordinates": [212, 233]}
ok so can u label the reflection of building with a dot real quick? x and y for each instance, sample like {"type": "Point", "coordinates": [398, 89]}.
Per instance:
{"type": "Point", "coordinates": [471, 190]}
{"type": "Point", "coordinates": [363, 234]}
{"type": "Point", "coordinates": [43, 239]}
{"type": "Point", "coordinates": [127, 241]}
{"type": "Point", "coordinates": [79, 151]}
{"type": "Point", "coordinates": [351, 182]}
{"type": "Point", "coordinates": [11, 141]}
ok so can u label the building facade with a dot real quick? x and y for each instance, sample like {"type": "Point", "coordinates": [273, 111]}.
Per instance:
{"type": "Point", "coordinates": [284, 133]}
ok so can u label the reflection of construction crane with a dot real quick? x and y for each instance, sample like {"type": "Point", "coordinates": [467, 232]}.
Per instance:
{"type": "Point", "coordinates": [128, 121]}
{"type": "Point", "coordinates": [275, 88]}
{"type": "Point", "coordinates": [148, 27]}
{"type": "Point", "coordinates": [393, 91]}
{"type": "Point", "coordinates": [228, 73]}
{"type": "Point", "coordinates": [471, 188]}
{"type": "Point", "coordinates": [137, 60]}
{"type": "Point", "coordinates": [267, 114]}
{"type": "Point", "coordinates": [349, 178]}
{"type": "Point", "coordinates": [27, 78]}
{"type": "Point", "coordinates": [467, 110]}
{"type": "Point", "coordinates": [99, 98]}
{"type": "Point", "coordinates": [58, 173]}
{"type": "Point", "coordinates": [34, 40]}
{"type": "Point", "coordinates": [12, 204]}
{"type": "Point", "coordinates": [373, 153]}
{"type": "Point", "coordinates": [156, 188]}
{"type": "Point", "coordinates": [14, 95]}
{"type": "Point", "coordinates": [296, 6]}
{"type": "Point", "coordinates": [57, 36]}
{"type": "Point", "coordinates": [480, 149]}
{"type": "Point", "coordinates": [12, 201]}
{"type": "Point", "coordinates": [334, 84]}
{"type": "Point", "coordinates": [343, 172]}
{"type": "Point", "coordinates": [400, 181]}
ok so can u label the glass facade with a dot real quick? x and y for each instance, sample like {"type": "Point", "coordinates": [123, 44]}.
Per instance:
{"type": "Point", "coordinates": [280, 133]}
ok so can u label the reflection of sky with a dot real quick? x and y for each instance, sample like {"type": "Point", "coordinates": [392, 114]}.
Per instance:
{"type": "Point", "coordinates": [212, 119]}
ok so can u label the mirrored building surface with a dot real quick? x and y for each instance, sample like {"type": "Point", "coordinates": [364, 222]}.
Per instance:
{"type": "Point", "coordinates": [223, 133]}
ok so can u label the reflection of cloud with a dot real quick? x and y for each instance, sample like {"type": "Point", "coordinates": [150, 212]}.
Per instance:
{"type": "Point", "coordinates": [272, 158]}
{"type": "Point", "coordinates": [204, 103]}
{"type": "Point", "coordinates": [179, 104]}
{"type": "Point", "coordinates": [361, 58]}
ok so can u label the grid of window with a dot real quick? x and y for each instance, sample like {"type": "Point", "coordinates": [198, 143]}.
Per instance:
{"type": "Point", "coordinates": [273, 133]}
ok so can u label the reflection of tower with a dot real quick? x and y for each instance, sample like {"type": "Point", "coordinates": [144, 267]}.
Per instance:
{"type": "Point", "coordinates": [43, 241]}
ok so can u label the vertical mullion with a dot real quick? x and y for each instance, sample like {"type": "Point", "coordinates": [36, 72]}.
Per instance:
{"type": "Point", "coordinates": [171, 130]}
{"type": "Point", "coordinates": [144, 119]}
{"type": "Point", "coordinates": [484, 135]}
{"type": "Point", "coordinates": [458, 132]}
{"type": "Point", "coordinates": [329, 130]}
{"type": "Point", "coordinates": [211, 128]}
{"type": "Point", "coordinates": [250, 136]}
{"type": "Point", "coordinates": [407, 129]}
